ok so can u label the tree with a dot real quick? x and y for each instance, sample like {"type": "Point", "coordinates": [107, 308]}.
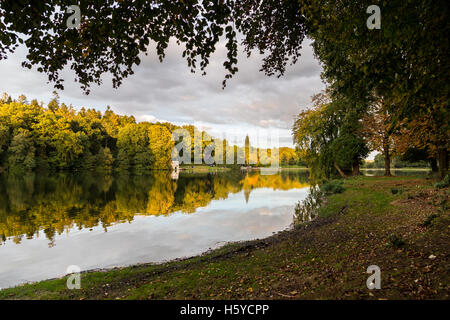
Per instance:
{"type": "Point", "coordinates": [5, 98]}
{"type": "Point", "coordinates": [429, 131]}
{"type": "Point", "coordinates": [53, 105]}
{"type": "Point", "coordinates": [406, 66]}
{"type": "Point", "coordinates": [21, 151]}
{"type": "Point", "coordinates": [56, 139]}
{"type": "Point", "coordinates": [377, 130]}
{"type": "Point", "coordinates": [105, 159]}
{"type": "Point", "coordinates": [134, 151]}
{"type": "Point", "coordinates": [329, 137]}
{"type": "Point", "coordinates": [415, 155]}
{"type": "Point", "coordinates": [4, 140]}
{"type": "Point", "coordinates": [161, 145]}
{"type": "Point", "coordinates": [288, 156]}
{"type": "Point", "coordinates": [22, 99]}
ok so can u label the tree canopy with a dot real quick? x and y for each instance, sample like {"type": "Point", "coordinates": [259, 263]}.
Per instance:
{"type": "Point", "coordinates": [113, 34]}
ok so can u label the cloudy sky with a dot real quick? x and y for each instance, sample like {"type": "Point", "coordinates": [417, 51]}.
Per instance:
{"type": "Point", "coordinates": [251, 103]}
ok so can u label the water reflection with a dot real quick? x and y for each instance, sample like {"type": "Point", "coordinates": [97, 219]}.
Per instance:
{"type": "Point", "coordinates": [58, 203]}
{"type": "Point", "coordinates": [50, 222]}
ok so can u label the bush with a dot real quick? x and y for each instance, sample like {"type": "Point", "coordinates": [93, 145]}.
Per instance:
{"type": "Point", "coordinates": [333, 186]}
{"type": "Point", "coordinates": [444, 183]}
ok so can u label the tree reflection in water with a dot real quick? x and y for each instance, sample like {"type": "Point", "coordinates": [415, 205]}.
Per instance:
{"type": "Point", "coordinates": [57, 203]}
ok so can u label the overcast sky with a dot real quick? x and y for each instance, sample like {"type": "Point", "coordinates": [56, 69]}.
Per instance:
{"type": "Point", "coordinates": [251, 103]}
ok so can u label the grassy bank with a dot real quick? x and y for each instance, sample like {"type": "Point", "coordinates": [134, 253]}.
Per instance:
{"type": "Point", "coordinates": [203, 168]}
{"type": "Point", "coordinates": [400, 224]}
{"type": "Point", "coordinates": [399, 169]}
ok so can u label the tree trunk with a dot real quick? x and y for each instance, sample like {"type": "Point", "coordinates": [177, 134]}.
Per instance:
{"type": "Point", "coordinates": [443, 162]}
{"type": "Point", "coordinates": [434, 165]}
{"type": "Point", "coordinates": [339, 170]}
{"type": "Point", "coordinates": [387, 157]}
{"type": "Point", "coordinates": [387, 163]}
{"type": "Point", "coordinates": [355, 167]}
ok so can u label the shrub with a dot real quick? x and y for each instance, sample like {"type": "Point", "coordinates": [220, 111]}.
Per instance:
{"type": "Point", "coordinates": [444, 183]}
{"type": "Point", "coordinates": [333, 186]}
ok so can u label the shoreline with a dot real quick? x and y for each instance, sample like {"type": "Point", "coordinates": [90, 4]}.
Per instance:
{"type": "Point", "coordinates": [209, 251]}
{"type": "Point", "coordinates": [324, 259]}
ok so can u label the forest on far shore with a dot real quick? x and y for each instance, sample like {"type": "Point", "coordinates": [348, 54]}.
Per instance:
{"type": "Point", "coordinates": [57, 137]}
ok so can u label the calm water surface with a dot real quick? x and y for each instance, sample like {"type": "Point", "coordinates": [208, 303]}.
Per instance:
{"type": "Point", "coordinates": [95, 221]}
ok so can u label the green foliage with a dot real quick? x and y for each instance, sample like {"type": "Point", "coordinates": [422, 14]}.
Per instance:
{"type": "Point", "coordinates": [105, 159]}
{"type": "Point", "coordinates": [161, 145]}
{"type": "Point", "coordinates": [21, 151]}
{"type": "Point", "coordinates": [198, 25]}
{"type": "Point", "coordinates": [444, 183]}
{"type": "Point", "coordinates": [328, 137]}
{"type": "Point", "coordinates": [403, 67]}
{"type": "Point", "coordinates": [59, 138]}
{"type": "Point", "coordinates": [332, 187]}
{"type": "Point", "coordinates": [397, 162]}
{"type": "Point", "coordinates": [134, 150]}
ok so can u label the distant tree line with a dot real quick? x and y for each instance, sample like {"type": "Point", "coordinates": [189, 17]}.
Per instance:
{"type": "Point", "coordinates": [396, 162]}
{"type": "Point", "coordinates": [57, 137]}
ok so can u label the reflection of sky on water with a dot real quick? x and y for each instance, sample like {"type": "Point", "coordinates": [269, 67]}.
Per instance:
{"type": "Point", "coordinates": [151, 238]}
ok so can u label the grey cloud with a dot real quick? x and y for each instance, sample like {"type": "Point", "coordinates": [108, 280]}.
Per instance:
{"type": "Point", "coordinates": [170, 91]}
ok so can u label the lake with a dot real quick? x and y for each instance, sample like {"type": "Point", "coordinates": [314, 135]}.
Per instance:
{"type": "Point", "coordinates": [49, 222]}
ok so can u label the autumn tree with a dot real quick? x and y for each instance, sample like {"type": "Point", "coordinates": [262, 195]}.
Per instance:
{"type": "Point", "coordinates": [378, 130]}
{"type": "Point", "coordinates": [134, 152]}
{"type": "Point", "coordinates": [161, 145]}
{"type": "Point", "coordinates": [429, 131]}
{"type": "Point", "coordinates": [288, 156]}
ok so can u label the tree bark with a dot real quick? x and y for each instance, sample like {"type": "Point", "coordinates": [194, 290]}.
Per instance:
{"type": "Point", "coordinates": [355, 168]}
{"type": "Point", "coordinates": [443, 162]}
{"type": "Point", "coordinates": [387, 163]}
{"type": "Point", "coordinates": [387, 157]}
{"type": "Point", "coordinates": [339, 170]}
{"type": "Point", "coordinates": [434, 165]}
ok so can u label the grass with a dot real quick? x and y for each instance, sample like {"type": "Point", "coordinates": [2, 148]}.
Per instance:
{"type": "Point", "coordinates": [366, 224]}
{"type": "Point", "coordinates": [203, 168]}
{"type": "Point", "coordinates": [399, 169]}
